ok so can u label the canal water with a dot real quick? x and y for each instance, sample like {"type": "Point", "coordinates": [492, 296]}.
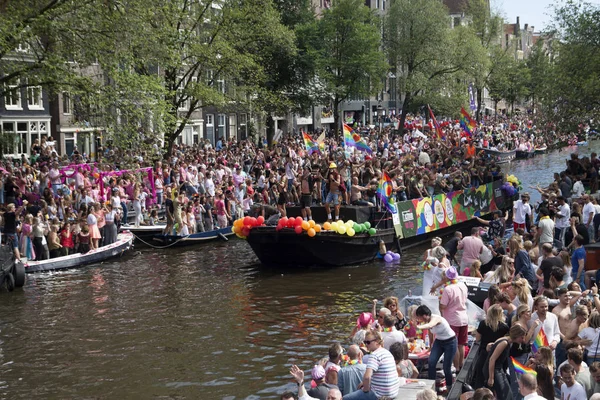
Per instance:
{"type": "Point", "coordinates": [205, 323]}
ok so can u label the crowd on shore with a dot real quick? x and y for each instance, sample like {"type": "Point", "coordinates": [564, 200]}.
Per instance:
{"type": "Point", "coordinates": [71, 204]}
{"type": "Point", "coordinates": [540, 286]}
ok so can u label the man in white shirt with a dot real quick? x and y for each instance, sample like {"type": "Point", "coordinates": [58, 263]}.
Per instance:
{"type": "Point", "coordinates": [570, 389]}
{"type": "Point", "coordinates": [562, 219]}
{"type": "Point", "coordinates": [578, 188]}
{"type": "Point", "coordinates": [549, 322]}
{"type": "Point", "coordinates": [528, 387]}
{"type": "Point", "coordinates": [588, 216]}
{"type": "Point", "coordinates": [390, 334]}
{"type": "Point", "coordinates": [521, 212]}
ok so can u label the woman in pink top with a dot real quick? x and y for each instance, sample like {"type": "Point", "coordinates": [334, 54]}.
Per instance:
{"type": "Point", "coordinates": [222, 215]}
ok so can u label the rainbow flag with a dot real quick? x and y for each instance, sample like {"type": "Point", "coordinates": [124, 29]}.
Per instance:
{"type": "Point", "coordinates": [521, 369]}
{"type": "Point", "coordinates": [466, 122]}
{"type": "Point", "coordinates": [353, 139]}
{"type": "Point", "coordinates": [437, 126]}
{"type": "Point", "coordinates": [311, 145]}
{"type": "Point", "coordinates": [540, 341]}
{"type": "Point", "coordinates": [348, 141]}
{"type": "Point", "coordinates": [384, 191]}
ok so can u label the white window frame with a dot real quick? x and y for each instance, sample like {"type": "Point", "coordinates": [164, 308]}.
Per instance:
{"type": "Point", "coordinates": [221, 118]}
{"type": "Point", "coordinates": [221, 85]}
{"type": "Point", "coordinates": [38, 103]}
{"type": "Point", "coordinates": [185, 106]}
{"type": "Point", "coordinates": [13, 90]}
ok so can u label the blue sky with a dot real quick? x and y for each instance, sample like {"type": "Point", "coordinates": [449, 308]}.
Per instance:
{"type": "Point", "coordinates": [533, 12]}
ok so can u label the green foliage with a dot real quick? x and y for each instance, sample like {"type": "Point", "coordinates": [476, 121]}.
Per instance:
{"type": "Point", "coordinates": [428, 56]}
{"type": "Point", "coordinates": [345, 45]}
{"type": "Point", "coordinates": [572, 83]}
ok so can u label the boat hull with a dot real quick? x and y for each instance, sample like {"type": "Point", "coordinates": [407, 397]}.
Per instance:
{"type": "Point", "coordinates": [285, 247]}
{"type": "Point", "coordinates": [144, 233]}
{"type": "Point", "coordinates": [123, 243]}
{"type": "Point", "coordinates": [500, 157]}
{"type": "Point", "coordinates": [541, 150]}
{"type": "Point", "coordinates": [523, 155]}
{"type": "Point", "coordinates": [193, 239]}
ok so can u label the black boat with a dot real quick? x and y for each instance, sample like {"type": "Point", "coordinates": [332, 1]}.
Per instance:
{"type": "Point", "coordinates": [12, 272]}
{"type": "Point", "coordinates": [523, 155]}
{"type": "Point", "coordinates": [414, 222]}
{"type": "Point", "coordinates": [285, 247]}
{"type": "Point", "coordinates": [194, 238]}
{"type": "Point", "coordinates": [123, 243]}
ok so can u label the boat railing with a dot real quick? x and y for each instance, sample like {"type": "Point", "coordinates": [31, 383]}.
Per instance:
{"type": "Point", "coordinates": [464, 375]}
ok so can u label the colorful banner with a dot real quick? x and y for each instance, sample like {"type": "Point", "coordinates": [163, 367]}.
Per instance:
{"type": "Point", "coordinates": [419, 216]}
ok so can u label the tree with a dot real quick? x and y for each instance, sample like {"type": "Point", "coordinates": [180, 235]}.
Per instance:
{"type": "Point", "coordinates": [422, 48]}
{"type": "Point", "coordinates": [346, 47]}
{"type": "Point", "coordinates": [487, 27]}
{"type": "Point", "coordinates": [572, 84]}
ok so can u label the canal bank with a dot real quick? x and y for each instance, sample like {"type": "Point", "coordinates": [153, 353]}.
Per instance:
{"type": "Point", "coordinates": [206, 323]}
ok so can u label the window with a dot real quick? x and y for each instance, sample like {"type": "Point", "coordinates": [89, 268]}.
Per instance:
{"type": "Point", "coordinates": [222, 126]}
{"type": "Point", "coordinates": [243, 126]}
{"type": "Point", "coordinates": [221, 85]}
{"type": "Point", "coordinates": [210, 128]}
{"type": "Point", "coordinates": [12, 98]}
{"type": "Point", "coordinates": [21, 138]}
{"type": "Point", "coordinates": [183, 100]}
{"type": "Point", "coordinates": [34, 97]}
{"type": "Point", "coordinates": [66, 103]}
{"type": "Point", "coordinates": [456, 21]}
{"type": "Point", "coordinates": [210, 78]}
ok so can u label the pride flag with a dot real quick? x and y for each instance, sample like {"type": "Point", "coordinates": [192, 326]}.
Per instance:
{"type": "Point", "coordinates": [437, 126]}
{"type": "Point", "coordinates": [321, 141]}
{"type": "Point", "coordinates": [353, 139]}
{"type": "Point", "coordinates": [540, 341]}
{"type": "Point", "coordinates": [384, 192]}
{"type": "Point", "coordinates": [311, 145]}
{"type": "Point", "coordinates": [521, 369]}
{"type": "Point", "coordinates": [466, 122]}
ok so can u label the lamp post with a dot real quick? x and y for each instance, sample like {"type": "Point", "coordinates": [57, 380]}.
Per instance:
{"type": "Point", "coordinates": [379, 112]}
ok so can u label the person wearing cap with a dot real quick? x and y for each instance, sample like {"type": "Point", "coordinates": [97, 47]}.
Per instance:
{"type": "Point", "coordinates": [333, 393]}
{"type": "Point", "coordinates": [453, 305]}
{"type": "Point", "coordinates": [321, 390]}
{"type": "Point", "coordinates": [522, 212]}
{"type": "Point", "coordinates": [334, 181]}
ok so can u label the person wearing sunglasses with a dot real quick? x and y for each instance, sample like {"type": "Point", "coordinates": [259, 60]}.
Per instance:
{"type": "Point", "coordinates": [380, 378]}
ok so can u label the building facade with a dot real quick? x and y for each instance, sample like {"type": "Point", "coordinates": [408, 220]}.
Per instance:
{"type": "Point", "coordinates": [24, 118]}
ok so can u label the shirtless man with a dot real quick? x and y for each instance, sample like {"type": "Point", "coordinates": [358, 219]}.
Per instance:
{"type": "Point", "coordinates": [577, 324]}
{"type": "Point", "coordinates": [307, 184]}
{"type": "Point", "coordinates": [563, 312]}
{"type": "Point", "coordinates": [333, 196]}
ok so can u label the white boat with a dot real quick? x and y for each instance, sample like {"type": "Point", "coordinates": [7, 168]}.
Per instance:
{"type": "Point", "coordinates": [123, 243]}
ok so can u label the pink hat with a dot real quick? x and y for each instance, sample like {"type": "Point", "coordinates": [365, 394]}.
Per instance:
{"type": "Point", "coordinates": [364, 319]}
{"type": "Point", "coordinates": [318, 372]}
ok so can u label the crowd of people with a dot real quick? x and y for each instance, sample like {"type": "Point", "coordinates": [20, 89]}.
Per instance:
{"type": "Point", "coordinates": [539, 283]}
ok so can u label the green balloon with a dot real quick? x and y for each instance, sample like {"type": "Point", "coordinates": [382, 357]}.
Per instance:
{"type": "Point", "coordinates": [367, 225]}
{"type": "Point", "coordinates": [372, 231]}
{"type": "Point", "coordinates": [357, 228]}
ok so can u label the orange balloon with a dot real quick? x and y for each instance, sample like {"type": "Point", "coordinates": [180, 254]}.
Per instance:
{"type": "Point", "coordinates": [311, 232]}
{"type": "Point", "coordinates": [311, 223]}
{"type": "Point", "coordinates": [327, 226]}
{"type": "Point", "coordinates": [305, 225]}
{"type": "Point", "coordinates": [317, 228]}
{"type": "Point", "coordinates": [238, 223]}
